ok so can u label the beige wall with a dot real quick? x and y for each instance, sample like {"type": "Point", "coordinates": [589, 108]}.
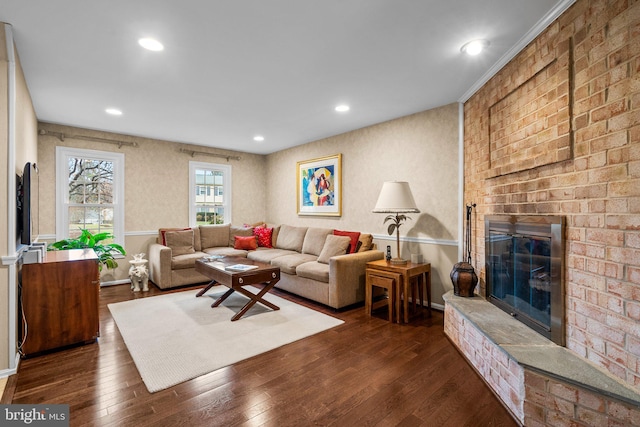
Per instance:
{"type": "Point", "coordinates": [5, 167]}
{"type": "Point", "coordinates": [25, 150]}
{"type": "Point", "coordinates": [156, 184]}
{"type": "Point", "coordinates": [421, 148]}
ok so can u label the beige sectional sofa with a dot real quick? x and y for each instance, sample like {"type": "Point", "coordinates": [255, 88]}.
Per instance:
{"type": "Point", "coordinates": [314, 262]}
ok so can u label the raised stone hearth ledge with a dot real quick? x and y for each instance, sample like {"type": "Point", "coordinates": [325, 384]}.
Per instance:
{"type": "Point", "coordinates": [540, 382]}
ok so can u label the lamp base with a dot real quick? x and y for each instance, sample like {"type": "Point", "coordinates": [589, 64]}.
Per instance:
{"type": "Point", "coordinates": [398, 261]}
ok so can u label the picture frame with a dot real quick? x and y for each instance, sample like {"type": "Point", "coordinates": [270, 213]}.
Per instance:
{"type": "Point", "coordinates": [319, 186]}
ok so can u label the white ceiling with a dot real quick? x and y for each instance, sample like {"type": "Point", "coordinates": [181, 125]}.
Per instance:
{"type": "Point", "coordinates": [233, 69]}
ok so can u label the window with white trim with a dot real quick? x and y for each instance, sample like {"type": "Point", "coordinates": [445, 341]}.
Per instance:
{"type": "Point", "coordinates": [209, 193]}
{"type": "Point", "coordinates": [91, 188]}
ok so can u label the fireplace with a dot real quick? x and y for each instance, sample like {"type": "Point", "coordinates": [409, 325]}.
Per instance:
{"type": "Point", "coordinates": [524, 270]}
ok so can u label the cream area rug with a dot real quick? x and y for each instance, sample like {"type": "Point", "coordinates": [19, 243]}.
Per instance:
{"type": "Point", "coordinates": [176, 337]}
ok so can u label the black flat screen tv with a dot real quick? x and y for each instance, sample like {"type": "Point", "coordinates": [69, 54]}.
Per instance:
{"type": "Point", "coordinates": [23, 206]}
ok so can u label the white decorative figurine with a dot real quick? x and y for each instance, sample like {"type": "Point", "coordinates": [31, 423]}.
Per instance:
{"type": "Point", "coordinates": [138, 273]}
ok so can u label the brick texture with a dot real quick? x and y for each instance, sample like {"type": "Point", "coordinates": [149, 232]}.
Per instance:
{"type": "Point", "coordinates": [501, 372]}
{"type": "Point", "coordinates": [534, 398]}
{"type": "Point", "coordinates": [575, 153]}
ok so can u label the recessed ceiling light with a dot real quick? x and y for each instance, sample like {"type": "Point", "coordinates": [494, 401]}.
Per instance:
{"type": "Point", "coordinates": [258, 138]}
{"type": "Point", "coordinates": [342, 108]}
{"type": "Point", "coordinates": [151, 44]}
{"type": "Point", "coordinates": [114, 111]}
{"type": "Point", "coordinates": [474, 47]}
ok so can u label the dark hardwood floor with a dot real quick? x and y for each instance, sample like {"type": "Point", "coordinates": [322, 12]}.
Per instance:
{"type": "Point", "coordinates": [365, 372]}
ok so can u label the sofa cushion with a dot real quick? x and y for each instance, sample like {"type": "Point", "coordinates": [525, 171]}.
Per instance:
{"type": "Point", "coordinates": [212, 236]}
{"type": "Point", "coordinates": [288, 263]}
{"type": "Point", "coordinates": [274, 235]}
{"type": "Point", "coordinates": [255, 224]}
{"type": "Point", "coordinates": [248, 243]}
{"type": "Point", "coordinates": [226, 251]}
{"type": "Point", "coordinates": [162, 231]}
{"type": "Point", "coordinates": [291, 238]}
{"type": "Point", "coordinates": [185, 261]}
{"type": "Point", "coordinates": [366, 241]}
{"type": "Point", "coordinates": [266, 255]}
{"type": "Point", "coordinates": [354, 235]}
{"type": "Point", "coordinates": [196, 239]}
{"type": "Point", "coordinates": [314, 240]}
{"type": "Point", "coordinates": [238, 231]}
{"type": "Point", "coordinates": [263, 235]}
{"type": "Point", "coordinates": [314, 270]}
{"type": "Point", "coordinates": [334, 245]}
{"type": "Point", "coordinates": [180, 242]}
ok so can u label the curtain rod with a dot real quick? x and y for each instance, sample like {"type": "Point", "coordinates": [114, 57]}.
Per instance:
{"type": "Point", "coordinates": [61, 136]}
{"type": "Point", "coordinates": [193, 153]}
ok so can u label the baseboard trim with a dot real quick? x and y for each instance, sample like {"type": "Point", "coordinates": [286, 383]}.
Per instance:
{"type": "Point", "coordinates": [9, 388]}
{"type": "Point", "coordinates": [115, 283]}
{"type": "Point", "coordinates": [6, 395]}
{"type": "Point", "coordinates": [439, 307]}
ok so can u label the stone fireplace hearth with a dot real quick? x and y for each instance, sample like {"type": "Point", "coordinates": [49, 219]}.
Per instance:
{"type": "Point", "coordinates": [540, 382]}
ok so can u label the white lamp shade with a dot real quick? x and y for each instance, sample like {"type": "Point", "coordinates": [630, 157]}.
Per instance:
{"type": "Point", "coordinates": [396, 197]}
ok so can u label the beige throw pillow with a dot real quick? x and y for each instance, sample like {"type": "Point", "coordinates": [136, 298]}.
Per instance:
{"type": "Point", "coordinates": [334, 245]}
{"type": "Point", "coordinates": [214, 236]}
{"type": "Point", "coordinates": [291, 238]}
{"type": "Point", "coordinates": [180, 242]}
{"type": "Point", "coordinates": [314, 240]}
{"type": "Point", "coordinates": [367, 242]}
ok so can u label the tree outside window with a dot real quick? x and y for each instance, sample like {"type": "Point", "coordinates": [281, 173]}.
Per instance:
{"type": "Point", "coordinates": [92, 185]}
{"type": "Point", "coordinates": [90, 196]}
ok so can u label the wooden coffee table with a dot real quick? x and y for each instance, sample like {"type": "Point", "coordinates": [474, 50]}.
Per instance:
{"type": "Point", "coordinates": [265, 275]}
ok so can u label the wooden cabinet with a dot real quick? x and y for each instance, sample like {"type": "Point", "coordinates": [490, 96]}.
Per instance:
{"type": "Point", "coordinates": [60, 301]}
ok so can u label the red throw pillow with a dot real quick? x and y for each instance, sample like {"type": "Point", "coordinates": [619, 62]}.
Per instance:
{"type": "Point", "coordinates": [353, 235]}
{"type": "Point", "coordinates": [263, 235]}
{"type": "Point", "coordinates": [248, 243]}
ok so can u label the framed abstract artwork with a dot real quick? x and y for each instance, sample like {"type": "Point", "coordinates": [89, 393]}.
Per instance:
{"type": "Point", "coordinates": [319, 186]}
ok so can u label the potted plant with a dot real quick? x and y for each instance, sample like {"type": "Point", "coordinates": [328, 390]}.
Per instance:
{"type": "Point", "coordinates": [86, 239]}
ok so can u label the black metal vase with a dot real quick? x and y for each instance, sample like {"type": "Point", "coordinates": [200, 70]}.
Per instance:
{"type": "Point", "coordinates": [464, 279]}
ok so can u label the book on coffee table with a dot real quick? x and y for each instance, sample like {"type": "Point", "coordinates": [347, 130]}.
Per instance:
{"type": "Point", "coordinates": [241, 267]}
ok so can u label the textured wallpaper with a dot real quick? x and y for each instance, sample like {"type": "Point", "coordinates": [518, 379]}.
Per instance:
{"type": "Point", "coordinates": [4, 225]}
{"type": "Point", "coordinates": [421, 148]}
{"type": "Point", "coordinates": [156, 179]}
{"type": "Point", "coordinates": [25, 150]}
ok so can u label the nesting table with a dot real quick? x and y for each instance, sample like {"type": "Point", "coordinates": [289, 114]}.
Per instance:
{"type": "Point", "coordinates": [406, 272]}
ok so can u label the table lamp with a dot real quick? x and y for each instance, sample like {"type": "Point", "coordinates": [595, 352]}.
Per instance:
{"type": "Point", "coordinates": [395, 197]}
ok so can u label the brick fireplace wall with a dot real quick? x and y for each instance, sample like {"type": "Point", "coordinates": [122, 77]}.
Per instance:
{"type": "Point", "coordinates": [557, 132]}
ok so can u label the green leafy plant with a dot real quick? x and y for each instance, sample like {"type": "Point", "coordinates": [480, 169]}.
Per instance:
{"type": "Point", "coordinates": [86, 239]}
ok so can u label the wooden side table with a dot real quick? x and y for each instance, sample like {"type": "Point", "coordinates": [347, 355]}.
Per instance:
{"type": "Point", "coordinates": [386, 280]}
{"type": "Point", "coordinates": [407, 271]}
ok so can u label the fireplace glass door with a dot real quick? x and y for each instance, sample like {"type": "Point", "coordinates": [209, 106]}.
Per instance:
{"type": "Point", "coordinates": [524, 273]}
{"type": "Point", "coordinates": [521, 271]}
